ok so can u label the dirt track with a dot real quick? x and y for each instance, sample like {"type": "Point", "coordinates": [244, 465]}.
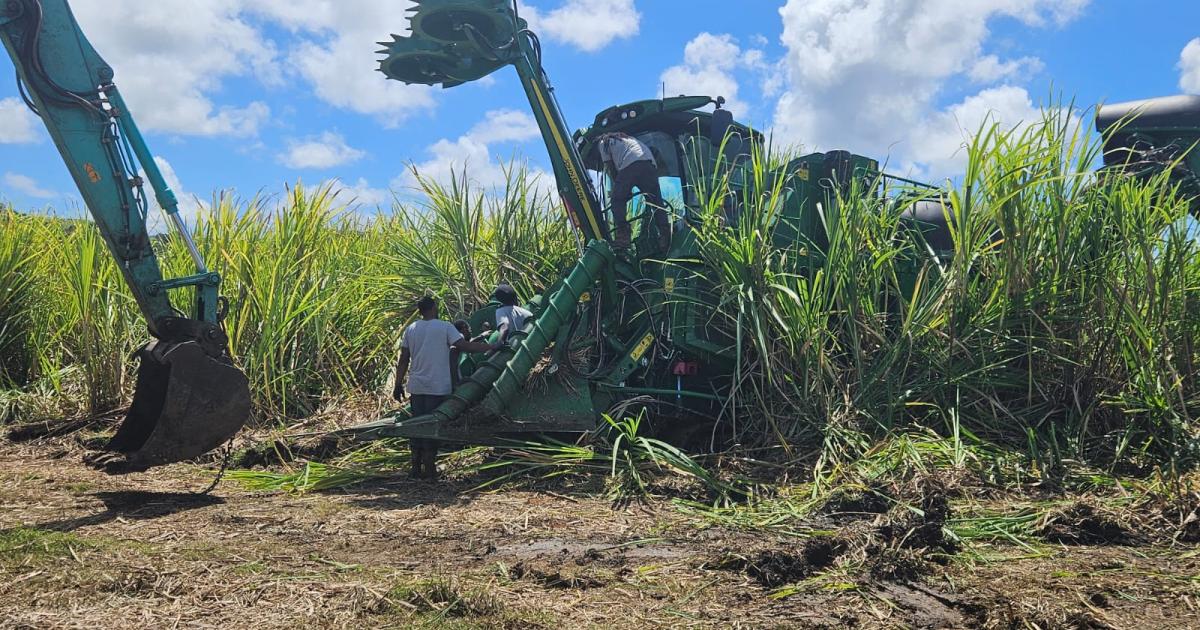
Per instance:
{"type": "Point", "coordinates": [79, 549]}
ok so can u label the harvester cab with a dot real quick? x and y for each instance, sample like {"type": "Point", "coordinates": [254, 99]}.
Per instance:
{"type": "Point", "coordinates": [621, 330]}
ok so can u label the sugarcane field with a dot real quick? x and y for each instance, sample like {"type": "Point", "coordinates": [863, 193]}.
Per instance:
{"type": "Point", "coordinates": [600, 314]}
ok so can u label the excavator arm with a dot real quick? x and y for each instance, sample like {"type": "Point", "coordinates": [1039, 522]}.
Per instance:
{"type": "Point", "coordinates": [190, 398]}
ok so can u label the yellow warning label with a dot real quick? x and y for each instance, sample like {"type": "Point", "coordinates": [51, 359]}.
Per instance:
{"type": "Point", "coordinates": [669, 285]}
{"type": "Point", "coordinates": [642, 347]}
{"type": "Point", "coordinates": [802, 172]}
{"type": "Point", "coordinates": [586, 296]}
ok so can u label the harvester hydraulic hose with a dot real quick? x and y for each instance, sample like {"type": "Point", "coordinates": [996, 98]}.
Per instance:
{"type": "Point", "coordinates": [501, 376]}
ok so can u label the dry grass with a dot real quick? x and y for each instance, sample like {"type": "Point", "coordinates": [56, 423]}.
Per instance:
{"type": "Point", "coordinates": [81, 549]}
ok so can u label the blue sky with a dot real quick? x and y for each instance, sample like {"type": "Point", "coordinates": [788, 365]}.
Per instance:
{"type": "Point", "coordinates": [251, 95]}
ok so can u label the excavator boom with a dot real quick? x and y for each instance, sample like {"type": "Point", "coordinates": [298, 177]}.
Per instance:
{"type": "Point", "coordinates": [190, 397]}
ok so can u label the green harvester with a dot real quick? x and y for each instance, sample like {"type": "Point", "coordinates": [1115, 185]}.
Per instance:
{"type": "Point", "coordinates": [632, 330]}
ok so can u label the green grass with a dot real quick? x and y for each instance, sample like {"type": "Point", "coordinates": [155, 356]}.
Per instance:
{"type": "Point", "coordinates": [446, 602]}
{"type": "Point", "coordinates": [382, 458]}
{"type": "Point", "coordinates": [444, 597]}
{"type": "Point", "coordinates": [628, 462]}
{"type": "Point", "coordinates": [17, 297]}
{"type": "Point", "coordinates": [1063, 329]}
{"type": "Point", "coordinates": [318, 291]}
{"type": "Point", "coordinates": [1064, 326]}
{"type": "Point", "coordinates": [26, 545]}
{"type": "Point", "coordinates": [620, 451]}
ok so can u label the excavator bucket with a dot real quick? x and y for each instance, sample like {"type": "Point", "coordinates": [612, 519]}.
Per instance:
{"type": "Point", "coordinates": [187, 403]}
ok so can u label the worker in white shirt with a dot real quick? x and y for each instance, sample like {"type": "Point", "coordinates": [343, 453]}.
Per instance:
{"type": "Point", "coordinates": [425, 367]}
{"type": "Point", "coordinates": [509, 317]}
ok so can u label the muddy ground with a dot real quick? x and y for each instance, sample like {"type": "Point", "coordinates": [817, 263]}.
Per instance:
{"type": "Point", "coordinates": [81, 549]}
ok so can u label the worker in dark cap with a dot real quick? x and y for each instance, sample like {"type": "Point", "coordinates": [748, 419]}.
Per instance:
{"type": "Point", "coordinates": [510, 317]}
{"type": "Point", "coordinates": [425, 365]}
{"type": "Point", "coordinates": [630, 164]}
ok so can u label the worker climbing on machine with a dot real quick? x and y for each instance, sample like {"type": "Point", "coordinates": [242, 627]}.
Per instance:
{"type": "Point", "coordinates": [425, 363]}
{"type": "Point", "coordinates": [630, 163]}
{"type": "Point", "coordinates": [510, 317]}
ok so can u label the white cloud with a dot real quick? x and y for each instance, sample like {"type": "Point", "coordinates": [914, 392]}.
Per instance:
{"type": "Point", "coordinates": [360, 193]}
{"type": "Point", "coordinates": [865, 75]}
{"type": "Point", "coordinates": [1189, 67]}
{"type": "Point", "coordinates": [190, 205]}
{"type": "Point", "coordinates": [588, 25]}
{"type": "Point", "coordinates": [504, 125]}
{"type": "Point", "coordinates": [172, 56]}
{"type": "Point", "coordinates": [18, 125]}
{"type": "Point", "coordinates": [336, 54]}
{"type": "Point", "coordinates": [28, 186]}
{"type": "Point", "coordinates": [474, 151]}
{"type": "Point", "coordinates": [940, 139]}
{"type": "Point", "coordinates": [708, 69]}
{"type": "Point", "coordinates": [319, 152]}
{"type": "Point", "coordinates": [990, 69]}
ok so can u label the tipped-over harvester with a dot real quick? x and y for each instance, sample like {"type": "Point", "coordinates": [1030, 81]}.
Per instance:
{"type": "Point", "coordinates": [632, 328]}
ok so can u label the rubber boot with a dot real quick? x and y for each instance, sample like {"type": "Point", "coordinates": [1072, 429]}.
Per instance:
{"type": "Point", "coordinates": [418, 459]}
{"type": "Point", "coordinates": [429, 455]}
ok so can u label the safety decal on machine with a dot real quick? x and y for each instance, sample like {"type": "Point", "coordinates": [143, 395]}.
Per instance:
{"type": "Point", "coordinates": [642, 347]}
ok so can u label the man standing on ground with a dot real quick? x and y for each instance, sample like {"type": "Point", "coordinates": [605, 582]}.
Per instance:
{"type": "Point", "coordinates": [510, 318]}
{"type": "Point", "coordinates": [630, 163]}
{"type": "Point", "coordinates": [425, 362]}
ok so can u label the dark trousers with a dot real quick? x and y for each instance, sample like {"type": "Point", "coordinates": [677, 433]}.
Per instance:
{"type": "Point", "coordinates": [424, 451]}
{"type": "Point", "coordinates": [644, 176]}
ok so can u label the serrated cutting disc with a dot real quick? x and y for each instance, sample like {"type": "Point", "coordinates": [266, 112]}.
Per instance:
{"type": "Point", "coordinates": [447, 20]}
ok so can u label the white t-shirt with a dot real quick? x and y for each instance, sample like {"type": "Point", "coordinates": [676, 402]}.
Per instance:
{"type": "Point", "coordinates": [428, 342]}
{"type": "Point", "coordinates": [514, 316]}
{"type": "Point", "coordinates": [623, 151]}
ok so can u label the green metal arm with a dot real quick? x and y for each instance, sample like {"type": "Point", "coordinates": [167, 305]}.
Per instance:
{"type": "Point", "coordinates": [457, 41]}
{"type": "Point", "coordinates": [498, 380]}
{"type": "Point", "coordinates": [71, 88]}
{"type": "Point", "coordinates": [570, 174]}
